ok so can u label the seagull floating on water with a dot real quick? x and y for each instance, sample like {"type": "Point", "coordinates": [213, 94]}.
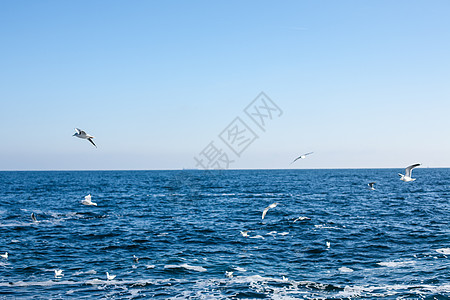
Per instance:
{"type": "Point", "coordinates": [58, 273]}
{"type": "Point", "coordinates": [303, 156]}
{"type": "Point", "coordinates": [83, 135]}
{"type": "Point", "coordinates": [5, 256]}
{"type": "Point", "coordinates": [328, 245]}
{"type": "Point", "coordinates": [371, 185]}
{"type": "Point", "coordinates": [110, 277]}
{"type": "Point", "coordinates": [229, 274]}
{"type": "Point", "coordinates": [244, 233]}
{"type": "Point", "coordinates": [267, 209]}
{"type": "Point", "coordinates": [408, 172]}
{"type": "Point", "coordinates": [87, 200]}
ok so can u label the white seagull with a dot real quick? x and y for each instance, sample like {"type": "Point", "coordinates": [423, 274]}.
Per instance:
{"type": "Point", "coordinates": [110, 277]}
{"type": "Point", "coordinates": [301, 219]}
{"type": "Point", "coordinates": [229, 274]}
{"type": "Point", "coordinates": [408, 172]}
{"type": "Point", "coordinates": [303, 156]}
{"type": "Point", "coordinates": [267, 209]}
{"type": "Point", "coordinates": [58, 273]}
{"type": "Point", "coordinates": [83, 135]}
{"type": "Point", "coordinates": [5, 256]}
{"type": "Point", "coordinates": [244, 233]}
{"type": "Point", "coordinates": [87, 200]}
{"type": "Point", "coordinates": [371, 185]}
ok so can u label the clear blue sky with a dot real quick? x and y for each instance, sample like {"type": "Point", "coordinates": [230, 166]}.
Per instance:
{"type": "Point", "coordinates": [360, 83]}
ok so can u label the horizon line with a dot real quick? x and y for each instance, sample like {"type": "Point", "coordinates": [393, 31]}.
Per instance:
{"type": "Point", "coordinates": [193, 169]}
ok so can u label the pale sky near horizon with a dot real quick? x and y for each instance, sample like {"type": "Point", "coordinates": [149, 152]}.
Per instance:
{"type": "Point", "coordinates": [363, 84]}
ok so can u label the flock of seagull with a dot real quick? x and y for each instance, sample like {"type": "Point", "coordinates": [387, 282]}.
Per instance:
{"type": "Point", "coordinates": [407, 177]}
{"type": "Point", "coordinates": [88, 201]}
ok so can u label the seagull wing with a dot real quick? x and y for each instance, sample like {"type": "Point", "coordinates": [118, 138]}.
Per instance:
{"type": "Point", "coordinates": [371, 184]}
{"type": "Point", "coordinates": [265, 212]}
{"type": "Point", "coordinates": [92, 142]}
{"type": "Point", "coordinates": [301, 156]}
{"type": "Point", "coordinates": [408, 170]}
{"type": "Point", "coordinates": [267, 209]}
{"type": "Point", "coordinates": [296, 159]}
{"type": "Point", "coordinates": [80, 132]}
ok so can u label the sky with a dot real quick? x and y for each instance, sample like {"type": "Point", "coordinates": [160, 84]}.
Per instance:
{"type": "Point", "coordinates": [362, 84]}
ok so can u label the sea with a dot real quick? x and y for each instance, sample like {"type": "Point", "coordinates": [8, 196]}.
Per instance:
{"type": "Point", "coordinates": [199, 234]}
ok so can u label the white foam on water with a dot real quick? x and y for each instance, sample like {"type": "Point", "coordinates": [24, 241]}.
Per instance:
{"type": "Point", "coordinates": [282, 289]}
{"type": "Point", "coordinates": [443, 250]}
{"type": "Point", "coordinates": [345, 270]}
{"type": "Point", "coordinates": [39, 283]}
{"type": "Point", "coordinates": [350, 292]}
{"type": "Point", "coordinates": [96, 281]}
{"type": "Point", "coordinates": [393, 264]}
{"type": "Point", "coordinates": [187, 267]}
{"type": "Point", "coordinates": [240, 269]}
{"type": "Point", "coordinates": [257, 237]}
{"type": "Point", "coordinates": [321, 226]}
{"type": "Point", "coordinates": [90, 272]}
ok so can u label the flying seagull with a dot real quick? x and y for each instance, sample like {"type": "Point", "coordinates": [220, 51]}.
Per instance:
{"type": "Point", "coordinates": [303, 156]}
{"type": "Point", "coordinates": [267, 209]}
{"type": "Point", "coordinates": [371, 185]}
{"type": "Point", "coordinates": [408, 172]}
{"type": "Point", "coordinates": [301, 219]}
{"type": "Point", "coordinates": [87, 200]}
{"type": "Point", "coordinates": [83, 135]}
{"type": "Point", "coordinates": [110, 277]}
{"type": "Point", "coordinates": [58, 273]}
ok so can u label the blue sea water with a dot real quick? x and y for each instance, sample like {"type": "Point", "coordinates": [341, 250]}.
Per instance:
{"type": "Point", "coordinates": [185, 229]}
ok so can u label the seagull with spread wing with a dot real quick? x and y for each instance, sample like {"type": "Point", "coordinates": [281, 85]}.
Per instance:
{"type": "Point", "coordinates": [267, 209]}
{"type": "Point", "coordinates": [83, 135]}
{"type": "Point", "coordinates": [303, 156]}
{"type": "Point", "coordinates": [408, 172]}
{"type": "Point", "coordinates": [88, 200]}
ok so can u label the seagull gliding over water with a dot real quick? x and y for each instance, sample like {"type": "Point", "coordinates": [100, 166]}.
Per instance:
{"type": "Point", "coordinates": [83, 135]}
{"type": "Point", "coordinates": [303, 156]}
{"type": "Point", "coordinates": [408, 172]}
{"type": "Point", "coordinates": [267, 209]}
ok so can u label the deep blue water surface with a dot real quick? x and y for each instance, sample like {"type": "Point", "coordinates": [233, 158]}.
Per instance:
{"type": "Point", "coordinates": [185, 228]}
